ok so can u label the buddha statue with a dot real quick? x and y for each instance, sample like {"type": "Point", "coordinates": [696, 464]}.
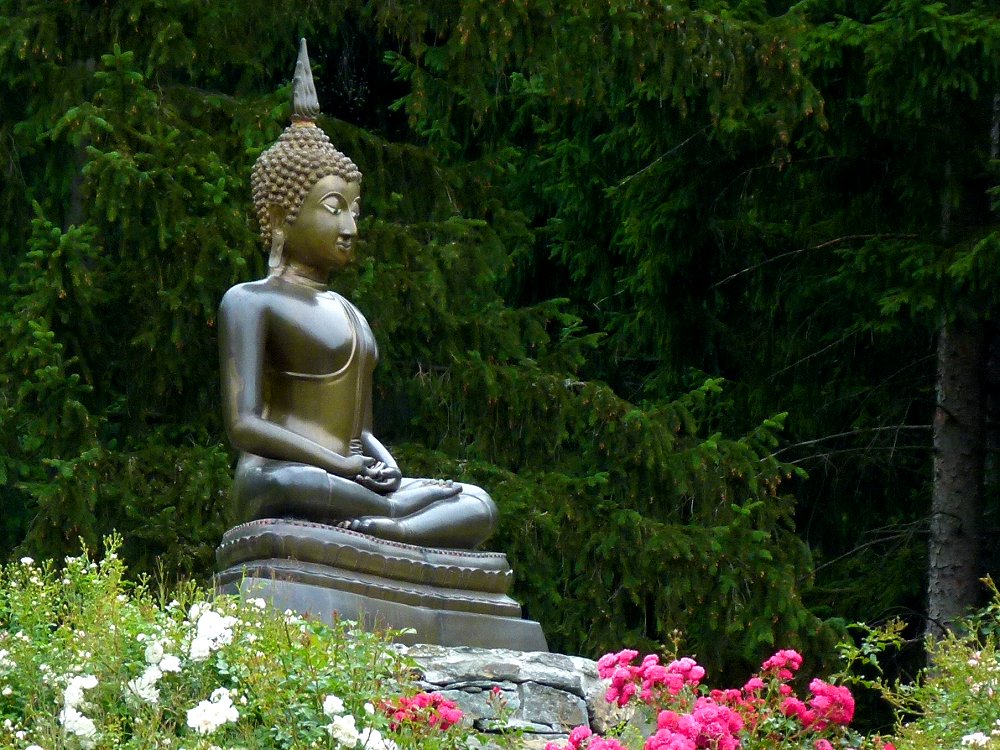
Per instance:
{"type": "Point", "coordinates": [297, 361]}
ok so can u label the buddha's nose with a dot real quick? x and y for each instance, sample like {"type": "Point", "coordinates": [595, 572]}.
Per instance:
{"type": "Point", "coordinates": [350, 227]}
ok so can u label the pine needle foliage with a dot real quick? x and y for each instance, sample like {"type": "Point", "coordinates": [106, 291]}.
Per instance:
{"type": "Point", "coordinates": [128, 131]}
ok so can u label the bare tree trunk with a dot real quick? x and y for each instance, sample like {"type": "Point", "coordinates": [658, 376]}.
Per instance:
{"type": "Point", "coordinates": [954, 556]}
{"type": "Point", "coordinates": [991, 470]}
{"type": "Point", "coordinates": [956, 508]}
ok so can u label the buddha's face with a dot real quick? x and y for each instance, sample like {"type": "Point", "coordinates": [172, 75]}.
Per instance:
{"type": "Point", "coordinates": [323, 234]}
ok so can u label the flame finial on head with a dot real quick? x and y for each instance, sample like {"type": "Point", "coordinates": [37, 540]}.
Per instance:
{"type": "Point", "coordinates": [305, 104]}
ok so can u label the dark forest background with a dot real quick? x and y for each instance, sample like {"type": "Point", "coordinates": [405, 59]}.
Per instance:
{"type": "Point", "coordinates": [703, 293]}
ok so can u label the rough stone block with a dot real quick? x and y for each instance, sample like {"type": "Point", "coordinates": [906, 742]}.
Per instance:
{"type": "Point", "coordinates": [555, 708]}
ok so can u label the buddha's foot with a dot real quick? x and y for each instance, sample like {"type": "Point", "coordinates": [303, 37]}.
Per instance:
{"type": "Point", "coordinates": [418, 496]}
{"type": "Point", "coordinates": [379, 526]}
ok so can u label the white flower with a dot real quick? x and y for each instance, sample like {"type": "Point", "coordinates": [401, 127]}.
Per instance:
{"type": "Point", "coordinates": [154, 652]}
{"type": "Point", "coordinates": [169, 663]}
{"type": "Point", "coordinates": [34, 747]}
{"type": "Point", "coordinates": [6, 691]}
{"type": "Point", "coordinates": [332, 705]}
{"type": "Point", "coordinates": [370, 709]}
{"type": "Point", "coordinates": [372, 739]}
{"type": "Point", "coordinates": [976, 739]}
{"type": "Point", "coordinates": [209, 715]}
{"type": "Point", "coordinates": [344, 730]}
{"type": "Point", "coordinates": [258, 603]}
{"type": "Point", "coordinates": [27, 561]}
{"type": "Point", "coordinates": [144, 687]}
{"type": "Point", "coordinates": [76, 723]}
{"type": "Point", "coordinates": [203, 718]}
{"type": "Point", "coordinates": [214, 627]}
{"type": "Point", "coordinates": [73, 694]}
{"type": "Point", "coordinates": [213, 631]}
{"type": "Point", "coordinates": [199, 650]}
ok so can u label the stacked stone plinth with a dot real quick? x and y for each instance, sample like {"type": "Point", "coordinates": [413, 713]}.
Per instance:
{"type": "Point", "coordinates": [439, 596]}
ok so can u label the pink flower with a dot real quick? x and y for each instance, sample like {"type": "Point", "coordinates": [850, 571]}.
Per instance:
{"type": "Point", "coordinates": [620, 694]}
{"type": "Point", "coordinates": [754, 685]}
{"type": "Point", "coordinates": [604, 743]}
{"type": "Point", "coordinates": [649, 680]}
{"type": "Point", "coordinates": [607, 663]}
{"type": "Point", "coordinates": [794, 707]}
{"type": "Point", "coordinates": [671, 722]}
{"type": "Point", "coordinates": [783, 663]}
{"type": "Point", "coordinates": [667, 740]}
{"type": "Point", "coordinates": [831, 704]}
{"type": "Point", "coordinates": [688, 670]}
{"type": "Point", "coordinates": [666, 720]}
{"type": "Point", "coordinates": [579, 735]}
{"type": "Point", "coordinates": [717, 725]}
{"type": "Point", "coordinates": [427, 709]}
{"type": "Point", "coordinates": [823, 745]}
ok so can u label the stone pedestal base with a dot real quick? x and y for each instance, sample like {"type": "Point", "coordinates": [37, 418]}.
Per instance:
{"type": "Point", "coordinates": [448, 597]}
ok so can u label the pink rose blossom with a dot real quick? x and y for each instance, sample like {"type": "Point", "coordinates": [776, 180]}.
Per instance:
{"type": "Point", "coordinates": [783, 664]}
{"type": "Point", "coordinates": [604, 743]}
{"type": "Point", "coordinates": [830, 704]}
{"type": "Point", "coordinates": [579, 735]}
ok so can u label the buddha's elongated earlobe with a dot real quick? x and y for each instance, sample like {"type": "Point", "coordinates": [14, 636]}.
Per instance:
{"type": "Point", "coordinates": [277, 247]}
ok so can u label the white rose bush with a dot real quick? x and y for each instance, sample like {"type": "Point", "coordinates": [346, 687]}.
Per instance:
{"type": "Point", "coordinates": [90, 661]}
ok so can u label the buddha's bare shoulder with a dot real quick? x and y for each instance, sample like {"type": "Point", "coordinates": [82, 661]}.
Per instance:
{"type": "Point", "coordinates": [250, 295]}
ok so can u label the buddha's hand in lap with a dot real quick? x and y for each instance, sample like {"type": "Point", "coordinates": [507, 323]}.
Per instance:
{"type": "Point", "coordinates": [380, 477]}
{"type": "Point", "coordinates": [357, 464]}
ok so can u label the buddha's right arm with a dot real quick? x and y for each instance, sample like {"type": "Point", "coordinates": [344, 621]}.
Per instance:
{"type": "Point", "coordinates": [253, 434]}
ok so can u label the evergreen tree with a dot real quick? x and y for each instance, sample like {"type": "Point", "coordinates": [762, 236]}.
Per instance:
{"type": "Point", "coordinates": [797, 203]}
{"type": "Point", "coordinates": [128, 133]}
{"type": "Point", "coordinates": [923, 91]}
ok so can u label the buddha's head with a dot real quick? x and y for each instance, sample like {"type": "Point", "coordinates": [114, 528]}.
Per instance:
{"type": "Point", "coordinates": [284, 175]}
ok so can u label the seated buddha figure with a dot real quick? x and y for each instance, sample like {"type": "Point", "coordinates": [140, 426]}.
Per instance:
{"type": "Point", "coordinates": [297, 361]}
